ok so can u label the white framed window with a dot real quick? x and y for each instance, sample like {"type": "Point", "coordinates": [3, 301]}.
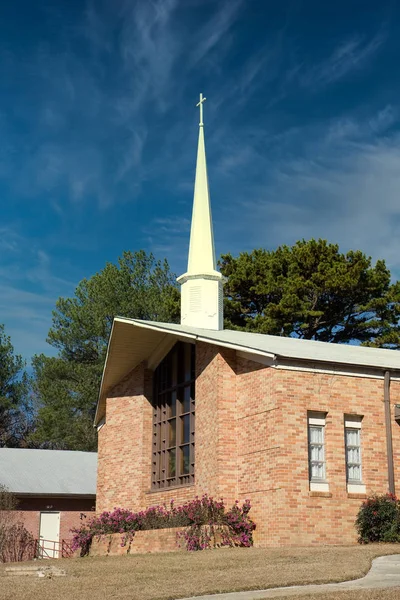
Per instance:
{"type": "Point", "coordinates": [316, 452]}
{"type": "Point", "coordinates": [352, 441]}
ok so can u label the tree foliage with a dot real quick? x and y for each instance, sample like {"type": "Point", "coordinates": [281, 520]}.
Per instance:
{"type": "Point", "coordinates": [312, 291]}
{"type": "Point", "coordinates": [14, 399]}
{"type": "Point", "coordinates": [67, 386]}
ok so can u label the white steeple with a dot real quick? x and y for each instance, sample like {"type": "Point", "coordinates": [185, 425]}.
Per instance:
{"type": "Point", "coordinates": [201, 293]}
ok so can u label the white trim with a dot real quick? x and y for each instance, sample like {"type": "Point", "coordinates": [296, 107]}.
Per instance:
{"type": "Point", "coordinates": [356, 488]}
{"type": "Point", "coordinates": [101, 423]}
{"type": "Point", "coordinates": [184, 334]}
{"type": "Point", "coordinates": [332, 371]}
{"type": "Point", "coordinates": [316, 421]}
{"type": "Point", "coordinates": [352, 422]}
{"type": "Point", "coordinates": [234, 346]}
{"type": "Point", "coordinates": [319, 486]}
{"type": "Point", "coordinates": [268, 361]}
{"type": "Point", "coordinates": [258, 357]}
{"type": "Point", "coordinates": [195, 336]}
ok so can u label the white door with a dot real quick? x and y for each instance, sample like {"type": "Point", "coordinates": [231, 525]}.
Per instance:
{"type": "Point", "coordinates": [49, 534]}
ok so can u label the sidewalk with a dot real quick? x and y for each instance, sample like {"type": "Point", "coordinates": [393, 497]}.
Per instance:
{"type": "Point", "coordinates": [384, 573]}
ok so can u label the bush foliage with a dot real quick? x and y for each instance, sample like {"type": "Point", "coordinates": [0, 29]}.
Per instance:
{"type": "Point", "coordinates": [16, 543]}
{"type": "Point", "coordinates": [378, 519]}
{"type": "Point", "coordinates": [235, 524]}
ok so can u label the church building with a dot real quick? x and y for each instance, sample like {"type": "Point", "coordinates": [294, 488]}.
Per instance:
{"type": "Point", "coordinates": [305, 430]}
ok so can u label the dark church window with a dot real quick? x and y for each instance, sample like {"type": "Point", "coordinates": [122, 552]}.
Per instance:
{"type": "Point", "coordinates": [174, 418]}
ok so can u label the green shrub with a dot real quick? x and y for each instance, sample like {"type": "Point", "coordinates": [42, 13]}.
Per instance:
{"type": "Point", "coordinates": [378, 519]}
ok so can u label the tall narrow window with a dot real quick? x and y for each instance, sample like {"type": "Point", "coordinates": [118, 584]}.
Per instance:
{"type": "Point", "coordinates": [316, 451]}
{"type": "Point", "coordinates": [174, 418]}
{"type": "Point", "coordinates": [352, 438]}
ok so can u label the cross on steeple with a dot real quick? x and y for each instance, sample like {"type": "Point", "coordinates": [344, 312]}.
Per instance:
{"type": "Point", "coordinates": [200, 104]}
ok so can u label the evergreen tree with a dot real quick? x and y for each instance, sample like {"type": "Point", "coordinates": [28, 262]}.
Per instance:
{"type": "Point", "coordinates": [312, 291]}
{"type": "Point", "coordinates": [15, 418]}
{"type": "Point", "coordinates": [67, 386]}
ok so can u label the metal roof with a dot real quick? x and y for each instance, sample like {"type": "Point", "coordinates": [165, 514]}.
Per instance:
{"type": "Point", "coordinates": [48, 472]}
{"type": "Point", "coordinates": [133, 341]}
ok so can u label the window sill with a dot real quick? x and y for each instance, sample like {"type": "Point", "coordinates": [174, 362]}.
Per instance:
{"type": "Point", "coordinates": [172, 488]}
{"type": "Point", "coordinates": [319, 486]}
{"type": "Point", "coordinates": [356, 488]}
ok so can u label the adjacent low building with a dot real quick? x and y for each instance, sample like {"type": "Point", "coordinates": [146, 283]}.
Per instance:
{"type": "Point", "coordinates": [55, 489]}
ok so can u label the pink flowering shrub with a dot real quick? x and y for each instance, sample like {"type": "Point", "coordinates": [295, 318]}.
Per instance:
{"type": "Point", "coordinates": [234, 526]}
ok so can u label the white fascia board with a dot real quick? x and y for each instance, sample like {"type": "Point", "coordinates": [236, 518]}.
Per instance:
{"type": "Point", "coordinates": [236, 347]}
{"type": "Point", "coordinates": [175, 332]}
{"type": "Point", "coordinates": [269, 360]}
{"type": "Point", "coordinates": [193, 336]}
{"type": "Point", "coordinates": [96, 416]}
{"type": "Point", "coordinates": [332, 371]}
{"type": "Point", "coordinates": [265, 358]}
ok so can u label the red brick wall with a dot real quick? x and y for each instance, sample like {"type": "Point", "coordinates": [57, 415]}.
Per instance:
{"type": "Point", "coordinates": [274, 456]}
{"type": "Point", "coordinates": [251, 442]}
{"type": "Point", "coordinates": [124, 455]}
{"type": "Point", "coordinates": [70, 509]}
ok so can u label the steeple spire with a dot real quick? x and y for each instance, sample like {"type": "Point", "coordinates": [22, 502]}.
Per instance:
{"type": "Point", "coordinates": [201, 300]}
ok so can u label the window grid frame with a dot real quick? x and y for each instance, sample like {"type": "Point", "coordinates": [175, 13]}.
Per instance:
{"type": "Point", "coordinates": [174, 375]}
{"type": "Point", "coordinates": [349, 447]}
{"type": "Point", "coordinates": [322, 462]}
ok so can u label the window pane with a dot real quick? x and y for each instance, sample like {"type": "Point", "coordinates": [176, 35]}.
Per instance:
{"type": "Point", "coordinates": [186, 399]}
{"type": "Point", "coordinates": [172, 463]}
{"type": "Point", "coordinates": [188, 362]}
{"type": "Point", "coordinates": [317, 471]}
{"type": "Point", "coordinates": [193, 362]}
{"type": "Point", "coordinates": [354, 473]}
{"type": "Point", "coordinates": [316, 435]}
{"type": "Point", "coordinates": [181, 363]}
{"type": "Point", "coordinates": [185, 460]}
{"type": "Point", "coordinates": [352, 437]}
{"type": "Point", "coordinates": [174, 368]}
{"type": "Point", "coordinates": [353, 455]}
{"type": "Point", "coordinates": [172, 404]}
{"type": "Point", "coordinates": [317, 453]}
{"type": "Point", "coordinates": [185, 429]}
{"type": "Point", "coordinates": [172, 432]}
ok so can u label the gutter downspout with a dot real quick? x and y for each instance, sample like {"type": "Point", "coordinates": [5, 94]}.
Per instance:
{"type": "Point", "coordinates": [389, 441]}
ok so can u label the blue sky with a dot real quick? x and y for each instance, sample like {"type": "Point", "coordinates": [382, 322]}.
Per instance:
{"type": "Point", "coordinates": [98, 130]}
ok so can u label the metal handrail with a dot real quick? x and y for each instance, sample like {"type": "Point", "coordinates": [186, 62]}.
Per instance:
{"type": "Point", "coordinates": [52, 549]}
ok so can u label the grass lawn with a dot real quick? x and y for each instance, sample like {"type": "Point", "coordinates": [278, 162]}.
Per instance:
{"type": "Point", "coordinates": [393, 594]}
{"type": "Point", "coordinates": [184, 574]}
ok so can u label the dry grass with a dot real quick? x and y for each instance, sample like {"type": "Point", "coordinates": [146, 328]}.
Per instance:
{"type": "Point", "coordinates": [391, 594]}
{"type": "Point", "coordinates": [177, 575]}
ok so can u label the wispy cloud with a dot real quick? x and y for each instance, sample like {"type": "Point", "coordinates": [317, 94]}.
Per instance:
{"type": "Point", "coordinates": [350, 55]}
{"type": "Point", "coordinates": [342, 186]}
{"type": "Point", "coordinates": [211, 34]}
